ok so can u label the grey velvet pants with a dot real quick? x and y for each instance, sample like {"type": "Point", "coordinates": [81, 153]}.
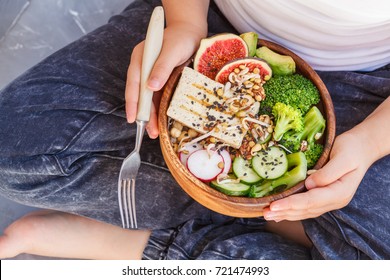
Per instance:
{"type": "Point", "coordinates": [63, 137]}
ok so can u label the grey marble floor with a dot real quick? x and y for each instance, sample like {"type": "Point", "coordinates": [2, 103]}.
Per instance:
{"type": "Point", "coordinates": [32, 30]}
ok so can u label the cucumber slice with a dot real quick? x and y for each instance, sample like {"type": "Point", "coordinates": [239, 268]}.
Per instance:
{"type": "Point", "coordinates": [242, 169]}
{"type": "Point", "coordinates": [231, 189]}
{"type": "Point", "coordinates": [270, 163]}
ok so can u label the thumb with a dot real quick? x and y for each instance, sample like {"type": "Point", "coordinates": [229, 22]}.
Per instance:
{"type": "Point", "coordinates": [331, 172]}
{"type": "Point", "coordinates": [162, 69]}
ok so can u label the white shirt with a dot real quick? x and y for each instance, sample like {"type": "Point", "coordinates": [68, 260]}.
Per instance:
{"type": "Point", "coordinates": [328, 34]}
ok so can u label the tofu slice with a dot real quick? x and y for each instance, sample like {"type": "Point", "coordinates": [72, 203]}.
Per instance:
{"type": "Point", "coordinates": [196, 104]}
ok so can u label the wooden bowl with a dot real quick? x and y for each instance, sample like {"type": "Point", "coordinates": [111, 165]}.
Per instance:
{"type": "Point", "coordinates": [213, 199]}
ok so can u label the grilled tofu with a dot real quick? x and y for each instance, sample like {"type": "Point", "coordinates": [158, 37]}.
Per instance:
{"type": "Point", "coordinates": [196, 104]}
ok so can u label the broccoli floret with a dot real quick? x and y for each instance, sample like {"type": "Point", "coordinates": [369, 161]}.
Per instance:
{"type": "Point", "coordinates": [294, 90]}
{"type": "Point", "coordinates": [313, 128]}
{"type": "Point", "coordinates": [313, 153]}
{"type": "Point", "coordinates": [286, 119]}
{"type": "Point", "coordinates": [306, 139]}
{"type": "Point", "coordinates": [296, 172]}
{"type": "Point", "coordinates": [290, 143]}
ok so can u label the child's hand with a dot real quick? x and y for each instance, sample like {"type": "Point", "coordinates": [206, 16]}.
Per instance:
{"type": "Point", "coordinates": [180, 42]}
{"type": "Point", "coordinates": [332, 187]}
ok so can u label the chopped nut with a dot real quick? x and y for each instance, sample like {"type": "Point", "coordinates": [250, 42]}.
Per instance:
{"type": "Point", "coordinates": [220, 92]}
{"type": "Point", "coordinates": [258, 98]}
{"type": "Point", "coordinates": [251, 144]}
{"type": "Point", "coordinates": [175, 132]}
{"type": "Point", "coordinates": [242, 66]}
{"type": "Point", "coordinates": [177, 125]}
{"type": "Point", "coordinates": [249, 84]}
{"type": "Point", "coordinates": [241, 114]}
{"type": "Point", "coordinates": [221, 164]}
{"type": "Point", "coordinates": [192, 133]}
{"type": "Point", "coordinates": [255, 149]}
{"type": "Point", "coordinates": [249, 91]}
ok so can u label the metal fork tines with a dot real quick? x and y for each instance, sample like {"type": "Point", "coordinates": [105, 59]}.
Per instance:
{"type": "Point", "coordinates": [127, 179]}
{"type": "Point", "coordinates": [126, 196]}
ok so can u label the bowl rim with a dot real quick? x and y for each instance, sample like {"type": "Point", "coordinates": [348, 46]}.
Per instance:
{"type": "Point", "coordinates": [326, 106]}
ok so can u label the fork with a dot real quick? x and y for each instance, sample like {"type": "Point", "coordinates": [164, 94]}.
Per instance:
{"type": "Point", "coordinates": [131, 164]}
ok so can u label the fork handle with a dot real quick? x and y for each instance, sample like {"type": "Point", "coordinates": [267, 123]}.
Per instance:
{"type": "Point", "coordinates": [152, 49]}
{"type": "Point", "coordinates": [141, 125]}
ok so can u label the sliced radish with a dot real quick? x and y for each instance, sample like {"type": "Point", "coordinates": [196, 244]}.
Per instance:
{"type": "Point", "coordinates": [204, 166]}
{"type": "Point", "coordinates": [187, 150]}
{"type": "Point", "coordinates": [227, 161]}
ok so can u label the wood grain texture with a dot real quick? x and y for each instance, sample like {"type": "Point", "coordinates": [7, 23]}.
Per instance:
{"type": "Point", "coordinates": [215, 200]}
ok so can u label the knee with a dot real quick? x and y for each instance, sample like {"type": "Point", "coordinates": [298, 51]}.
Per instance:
{"type": "Point", "coordinates": [22, 178]}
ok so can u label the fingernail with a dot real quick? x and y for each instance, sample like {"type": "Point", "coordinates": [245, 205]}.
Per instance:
{"type": "Point", "coordinates": [154, 84]}
{"type": "Point", "coordinates": [129, 119]}
{"type": "Point", "coordinates": [153, 134]}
